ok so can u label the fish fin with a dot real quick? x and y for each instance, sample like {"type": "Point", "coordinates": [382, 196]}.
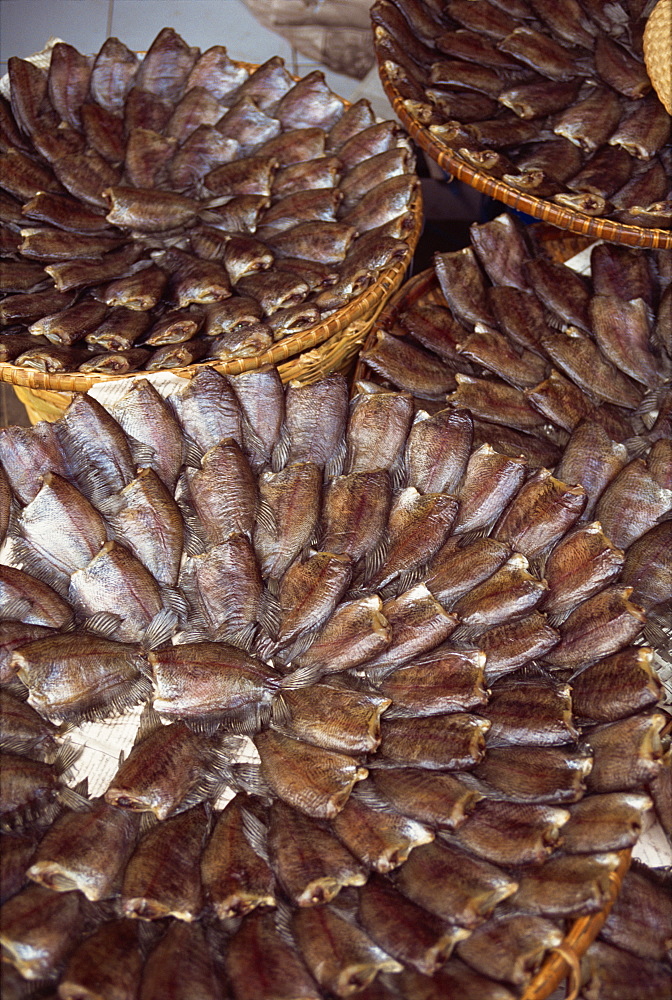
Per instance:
{"type": "Point", "coordinates": [302, 677]}
{"type": "Point", "coordinates": [266, 517]}
{"type": "Point", "coordinates": [255, 833]}
{"type": "Point", "coordinates": [269, 613]}
{"type": "Point", "coordinates": [147, 822]}
{"type": "Point", "coordinates": [17, 609]}
{"type": "Point", "coordinates": [249, 778]}
{"type": "Point", "coordinates": [300, 645]}
{"type": "Point", "coordinates": [39, 567]}
{"type": "Point", "coordinates": [195, 633]}
{"type": "Point", "coordinates": [336, 463]}
{"type": "Point", "coordinates": [637, 446]}
{"type": "Point", "coordinates": [408, 579]}
{"type": "Point", "coordinates": [194, 545]}
{"type": "Point", "coordinates": [160, 629]}
{"type": "Point", "coordinates": [67, 757]}
{"type": "Point", "coordinates": [650, 401]}
{"type": "Point", "coordinates": [150, 720]}
{"type": "Point", "coordinates": [281, 715]}
{"type": "Point", "coordinates": [280, 452]}
{"type": "Point", "coordinates": [72, 799]}
{"type": "Point", "coordinates": [555, 620]}
{"type": "Point", "coordinates": [265, 647]}
{"type": "Point", "coordinates": [283, 923]}
{"type": "Point", "coordinates": [103, 624]}
{"type": "Point", "coordinates": [111, 505]}
{"type": "Point", "coordinates": [174, 600]}
{"type": "Point", "coordinates": [193, 453]}
{"type": "Point", "coordinates": [371, 797]}
{"type": "Point", "coordinates": [375, 558]}
{"type": "Point", "coordinates": [144, 456]}
{"type": "Point", "coordinates": [398, 473]}
{"type": "Point", "coordinates": [657, 637]}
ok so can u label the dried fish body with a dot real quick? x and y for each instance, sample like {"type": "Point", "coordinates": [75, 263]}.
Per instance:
{"type": "Point", "coordinates": [175, 327]}
{"type": "Point", "coordinates": [511, 833]}
{"type": "Point", "coordinates": [307, 175]}
{"type": "Point", "coordinates": [108, 963]}
{"type": "Point", "coordinates": [197, 107]}
{"type": "Point", "coordinates": [12, 635]}
{"type": "Point", "coordinates": [32, 789]}
{"type": "Point", "coordinates": [52, 358]}
{"type": "Point", "coordinates": [418, 623]}
{"type": "Point", "coordinates": [513, 644]}
{"type": "Point", "coordinates": [355, 118]}
{"type": "Point", "coordinates": [115, 581]}
{"type": "Point", "coordinates": [622, 330]}
{"type": "Point", "coordinates": [112, 74]}
{"type": "Point", "coordinates": [453, 885]}
{"type": "Point", "coordinates": [464, 286]}
{"type": "Point", "coordinates": [536, 773]}
{"type": "Point", "coordinates": [243, 255]}
{"type": "Point", "coordinates": [377, 429]}
{"type": "Point", "coordinates": [309, 103]}
{"type": "Point", "coordinates": [140, 291]}
{"type": "Point", "coordinates": [208, 680]}
{"type": "Point", "coordinates": [195, 280]}
{"type": "Point", "coordinates": [293, 497]}
{"type": "Point", "coordinates": [309, 591]}
{"type": "Point", "coordinates": [40, 929]}
{"type": "Point", "coordinates": [228, 590]}
{"type": "Point", "coordinates": [162, 878]}
{"type": "Point", "coordinates": [381, 839]}
{"type": "Point", "coordinates": [217, 72]}
{"type": "Point", "coordinates": [274, 289]}
{"type": "Point", "coordinates": [325, 242]}
{"type": "Point", "coordinates": [509, 593]}
{"type": "Point", "coordinates": [450, 741]}
{"type": "Point", "coordinates": [295, 145]}
{"type": "Point", "coordinates": [313, 780]}
{"type": "Point", "coordinates": [24, 177]}
{"type": "Point", "coordinates": [245, 122]}
{"type": "Point", "coordinates": [310, 863]}
{"type": "Point", "coordinates": [538, 98]}
{"type": "Point", "coordinates": [149, 157]}
{"type": "Point", "coordinates": [232, 314]}
{"type": "Point", "coordinates": [437, 450]}
{"type": "Point", "coordinates": [29, 600]}
{"type": "Point", "coordinates": [632, 503]}
{"type": "Point", "coordinates": [611, 822]}
{"type": "Point", "coordinates": [443, 680]}
{"type": "Point", "coordinates": [580, 358]}
{"type": "Point", "coordinates": [23, 730]}
{"type": "Point", "coordinates": [281, 974]}
{"type": "Point", "coordinates": [62, 526]}
{"type": "Point", "coordinates": [223, 492]}
{"type": "Point", "coordinates": [311, 715]}
{"type": "Point", "coordinates": [597, 627]}
{"type": "Point", "coordinates": [95, 447]}
{"type": "Point", "coordinates": [659, 462]}
{"type": "Point", "coordinates": [17, 852]}
{"type": "Point", "coordinates": [490, 349]}
{"type": "Point", "coordinates": [267, 83]}
{"type": "Point", "coordinates": [86, 850]}
{"type": "Point", "coordinates": [21, 276]}
{"type": "Point", "coordinates": [454, 976]}
{"type": "Point", "coordinates": [647, 567]}
{"type": "Point", "coordinates": [640, 917]}
{"type": "Point", "coordinates": [236, 879]}
{"type": "Point", "coordinates": [418, 524]}
{"type": "Point", "coordinates": [76, 676]}
{"type": "Point", "coordinates": [341, 957]}
{"type": "Point", "coordinates": [566, 885]}
{"type": "Point", "coordinates": [245, 175]}
{"type": "Point", "coordinates": [286, 322]}
{"type": "Point", "coordinates": [542, 511]}
{"type": "Point", "coordinates": [355, 512]}
{"type": "Point", "coordinates": [119, 330]}
{"type": "Point", "coordinates": [177, 355]}
{"type": "Point", "coordinates": [592, 459]}
{"type": "Point", "coordinates": [578, 567]}
{"type": "Point", "coordinates": [495, 402]}
{"type": "Point", "coordinates": [369, 173]}
{"type": "Point", "coordinates": [183, 966]}
{"type": "Point", "coordinates": [104, 132]}
{"type": "Point", "coordinates": [644, 130]}
{"type": "Point", "coordinates": [146, 418]}
{"type": "Point", "coordinates": [530, 710]}
{"type": "Point", "coordinates": [315, 418]}
{"type": "Point", "coordinates": [609, 972]}
{"type": "Point", "coordinates": [300, 206]}
{"type": "Point", "coordinates": [511, 947]}
{"type": "Point", "coordinates": [205, 149]}
{"type": "Point", "coordinates": [626, 754]}
{"type": "Point", "coordinates": [457, 568]}
{"type": "Point", "coordinates": [208, 410]}
{"type": "Point", "coordinates": [357, 631]}
{"type": "Point", "coordinates": [490, 481]}
{"type": "Point", "coordinates": [590, 121]}
{"type": "Point", "coordinates": [59, 244]}
{"type": "Point", "coordinates": [164, 772]}
{"type": "Point", "coordinates": [166, 65]}
{"type": "Point", "coordinates": [70, 324]}
{"type": "Point", "coordinates": [434, 798]}
{"type": "Point", "coordinates": [28, 306]}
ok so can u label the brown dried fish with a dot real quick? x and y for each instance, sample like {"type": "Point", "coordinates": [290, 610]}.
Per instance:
{"type": "Point", "coordinates": [112, 75]}
{"type": "Point", "coordinates": [592, 459]}
{"type": "Point", "coordinates": [490, 481]}
{"type": "Point", "coordinates": [542, 511]}
{"type": "Point", "coordinates": [109, 960]}
{"type": "Point", "coordinates": [408, 367]}
{"type": "Point", "coordinates": [611, 822]}
{"type": "Point", "coordinates": [28, 599]}
{"type": "Point", "coordinates": [40, 929]}
{"type": "Point", "coordinates": [578, 567]}
{"type": "Point", "coordinates": [381, 838]}
{"type": "Point", "coordinates": [566, 884]}
{"type": "Point", "coordinates": [281, 973]}
{"type": "Point", "coordinates": [632, 503]}
{"type": "Point", "coordinates": [626, 754]}
{"type": "Point", "coordinates": [310, 714]}
{"type": "Point", "coordinates": [510, 947]}
{"type": "Point", "coordinates": [590, 121]}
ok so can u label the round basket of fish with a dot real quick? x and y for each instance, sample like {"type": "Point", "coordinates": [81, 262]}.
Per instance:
{"type": "Point", "coordinates": [177, 209]}
{"type": "Point", "coordinates": [400, 704]}
{"type": "Point", "coordinates": [545, 107]}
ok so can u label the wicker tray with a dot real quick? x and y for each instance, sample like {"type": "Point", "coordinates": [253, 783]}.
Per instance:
{"type": "Point", "coordinates": [538, 208]}
{"type": "Point", "coordinates": [309, 354]}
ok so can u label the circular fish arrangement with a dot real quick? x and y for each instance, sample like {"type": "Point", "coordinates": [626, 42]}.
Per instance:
{"type": "Point", "coordinates": [437, 657]}
{"type": "Point", "coordinates": [547, 107]}
{"type": "Point", "coordinates": [179, 207]}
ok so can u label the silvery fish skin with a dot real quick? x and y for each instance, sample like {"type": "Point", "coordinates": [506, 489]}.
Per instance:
{"type": "Point", "coordinates": [147, 419]}
{"type": "Point", "coordinates": [313, 780]}
{"type": "Point", "coordinates": [382, 840]}
{"type": "Point", "coordinates": [565, 885]}
{"type": "Point", "coordinates": [315, 417]}
{"type": "Point", "coordinates": [149, 157]}
{"type": "Point", "coordinates": [561, 290]}
{"type": "Point", "coordinates": [162, 877]}
{"type": "Point", "coordinates": [109, 960]}
{"type": "Point", "coordinates": [622, 330]}
{"type": "Point", "coordinates": [200, 153]}
{"type": "Point", "coordinates": [182, 965]}
{"type": "Point", "coordinates": [243, 255]}
{"type": "Point", "coordinates": [312, 713]}
{"type": "Point", "coordinates": [436, 798]}
{"type": "Point", "coordinates": [221, 679]}
{"type": "Point", "coordinates": [197, 107]}
{"type": "Point", "coordinates": [326, 242]}
{"type": "Point", "coordinates": [86, 850]}
{"type": "Point", "coordinates": [28, 92]}
{"type": "Point", "coordinates": [281, 974]}
{"type": "Point", "coordinates": [223, 492]}
{"type": "Point", "coordinates": [607, 971]}
{"type": "Point", "coordinates": [513, 644]}
{"type": "Point", "coordinates": [535, 710]}
{"type": "Point", "coordinates": [62, 525]}
{"type": "Point", "coordinates": [511, 833]}
{"type": "Point", "coordinates": [310, 863]}
{"type": "Point", "coordinates": [166, 65]}
{"type": "Point", "coordinates": [247, 124]}
{"type": "Point", "coordinates": [296, 145]}
{"type": "Point", "coordinates": [247, 175]}
{"type": "Point", "coordinates": [536, 773]}
{"type": "Point", "coordinates": [378, 425]}
{"type": "Point", "coordinates": [405, 930]}
{"type": "Point", "coordinates": [647, 567]}
{"type": "Point", "coordinates": [112, 75]}
{"type": "Point", "coordinates": [542, 511]}
{"type": "Point", "coordinates": [307, 175]}
{"type": "Point", "coordinates": [632, 503]}
{"type": "Point", "coordinates": [490, 481]}
{"type": "Point", "coordinates": [418, 524]}
{"type": "Point", "coordinates": [227, 589]}
{"type": "Point", "coordinates": [267, 83]}
{"type": "Point", "coordinates": [611, 822]}
{"type": "Point", "coordinates": [356, 632]}
{"type": "Point", "coordinates": [626, 754]}
{"type": "Point", "coordinates": [580, 565]}
{"type": "Point", "coordinates": [300, 206]}
{"type": "Point", "coordinates": [455, 741]}
{"type": "Point", "coordinates": [310, 102]}
{"type": "Point", "coordinates": [341, 957]}
{"type": "Point", "coordinates": [640, 918]}
{"type": "Point", "coordinates": [355, 510]}
{"type": "Point", "coordinates": [509, 593]}
{"type": "Point", "coordinates": [437, 450]}
{"type": "Point", "coordinates": [510, 947]}
{"type": "Point", "coordinates": [444, 680]}
{"type": "Point", "coordinates": [470, 888]}
{"type": "Point", "coordinates": [293, 497]}
{"type": "Point", "coordinates": [40, 929]}
{"type": "Point", "coordinates": [216, 71]}
{"type": "Point", "coordinates": [27, 453]}
{"type": "Point", "coordinates": [73, 677]}
{"type": "Point", "coordinates": [592, 459]}
{"type": "Point", "coordinates": [86, 176]}
{"type": "Point", "coordinates": [309, 591]}
{"type": "Point", "coordinates": [208, 410]}
{"type": "Point", "coordinates": [29, 600]}
{"type": "Point", "coordinates": [382, 203]}
{"type": "Point", "coordinates": [97, 452]}
{"type": "Point", "coordinates": [457, 567]}
{"type": "Point", "coordinates": [14, 634]}
{"type": "Point", "coordinates": [236, 880]}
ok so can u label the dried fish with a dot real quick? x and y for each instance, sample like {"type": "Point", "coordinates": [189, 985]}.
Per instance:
{"type": "Point", "coordinates": [592, 459]}
{"type": "Point", "coordinates": [410, 368]}
{"type": "Point", "coordinates": [627, 753]}
{"type": "Point", "coordinates": [578, 567]}
{"type": "Point", "coordinates": [281, 973]}
{"type": "Point", "coordinates": [147, 419]}
{"type": "Point", "coordinates": [40, 929]}
{"type": "Point", "coordinates": [647, 567]}
{"type": "Point", "coordinates": [109, 960]}
{"type": "Point", "coordinates": [510, 947]}
{"type": "Point", "coordinates": [23, 730]}
{"type": "Point", "coordinates": [29, 600]}
{"type": "Point", "coordinates": [112, 74]}
{"type": "Point", "coordinates": [536, 773]}
{"type": "Point", "coordinates": [490, 481]}
{"type": "Point", "coordinates": [563, 885]}
{"type": "Point", "coordinates": [542, 511]}
{"type": "Point", "coordinates": [611, 822]}
{"type": "Point", "coordinates": [632, 503]}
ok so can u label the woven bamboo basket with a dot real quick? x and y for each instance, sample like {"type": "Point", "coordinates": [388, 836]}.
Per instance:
{"type": "Point", "coordinates": [659, 68]}
{"type": "Point", "coordinates": [307, 355]}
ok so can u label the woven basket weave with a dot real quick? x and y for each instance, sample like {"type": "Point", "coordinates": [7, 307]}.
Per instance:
{"type": "Point", "coordinates": [658, 51]}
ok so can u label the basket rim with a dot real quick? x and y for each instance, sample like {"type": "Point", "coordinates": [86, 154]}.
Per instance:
{"type": "Point", "coordinates": [563, 218]}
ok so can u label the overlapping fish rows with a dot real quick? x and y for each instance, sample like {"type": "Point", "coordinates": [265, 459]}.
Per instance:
{"type": "Point", "coordinates": [434, 649]}
{"type": "Point", "coordinates": [161, 210]}
{"type": "Point", "coordinates": [552, 99]}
